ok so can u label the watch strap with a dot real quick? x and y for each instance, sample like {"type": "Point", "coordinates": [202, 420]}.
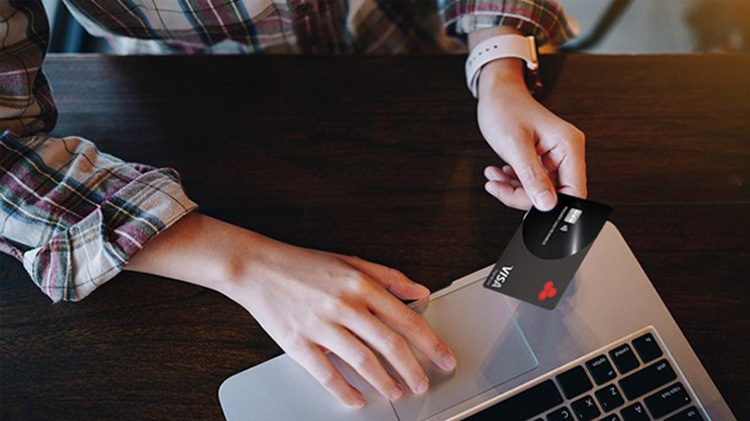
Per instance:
{"type": "Point", "coordinates": [502, 46]}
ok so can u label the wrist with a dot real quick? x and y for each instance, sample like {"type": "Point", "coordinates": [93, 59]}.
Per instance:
{"type": "Point", "coordinates": [502, 74]}
{"type": "Point", "coordinates": [201, 250]}
{"type": "Point", "coordinates": [247, 267]}
{"type": "Point", "coordinates": [504, 71]}
{"type": "Point", "coordinates": [507, 55]}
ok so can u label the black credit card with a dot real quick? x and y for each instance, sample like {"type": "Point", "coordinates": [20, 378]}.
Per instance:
{"type": "Point", "coordinates": [546, 251]}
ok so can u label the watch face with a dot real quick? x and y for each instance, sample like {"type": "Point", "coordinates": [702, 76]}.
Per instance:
{"type": "Point", "coordinates": [562, 232]}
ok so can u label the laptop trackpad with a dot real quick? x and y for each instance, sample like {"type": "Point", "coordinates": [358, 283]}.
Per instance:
{"type": "Point", "coordinates": [491, 350]}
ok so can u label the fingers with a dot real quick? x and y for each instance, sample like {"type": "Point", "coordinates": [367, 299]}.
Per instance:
{"type": "Point", "coordinates": [361, 358]}
{"type": "Point", "coordinates": [394, 348]}
{"type": "Point", "coordinates": [390, 339]}
{"type": "Point", "coordinates": [504, 185]}
{"type": "Point", "coordinates": [571, 171]}
{"type": "Point", "coordinates": [497, 174]}
{"type": "Point", "coordinates": [557, 163]}
{"type": "Point", "coordinates": [572, 178]}
{"type": "Point", "coordinates": [533, 177]}
{"type": "Point", "coordinates": [514, 197]}
{"type": "Point", "coordinates": [391, 279]}
{"type": "Point", "coordinates": [318, 365]}
{"type": "Point", "coordinates": [563, 151]}
{"type": "Point", "coordinates": [414, 328]}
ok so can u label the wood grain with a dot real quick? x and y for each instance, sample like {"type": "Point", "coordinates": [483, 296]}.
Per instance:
{"type": "Point", "coordinates": [379, 157]}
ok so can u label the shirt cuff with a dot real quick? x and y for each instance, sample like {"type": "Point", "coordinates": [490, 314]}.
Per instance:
{"type": "Point", "coordinates": [75, 262]}
{"type": "Point", "coordinates": [78, 215]}
{"type": "Point", "coordinates": [544, 19]}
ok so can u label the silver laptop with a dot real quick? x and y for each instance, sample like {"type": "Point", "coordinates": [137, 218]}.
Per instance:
{"type": "Point", "coordinates": [610, 350]}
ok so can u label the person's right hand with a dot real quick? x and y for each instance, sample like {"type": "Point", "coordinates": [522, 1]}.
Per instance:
{"type": "Point", "coordinates": [544, 154]}
{"type": "Point", "coordinates": [311, 301]}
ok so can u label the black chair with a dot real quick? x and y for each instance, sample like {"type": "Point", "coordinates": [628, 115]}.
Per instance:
{"type": "Point", "coordinates": [613, 13]}
{"type": "Point", "coordinates": [68, 36]}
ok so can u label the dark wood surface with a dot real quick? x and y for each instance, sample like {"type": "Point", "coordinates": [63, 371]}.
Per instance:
{"type": "Point", "coordinates": [379, 157]}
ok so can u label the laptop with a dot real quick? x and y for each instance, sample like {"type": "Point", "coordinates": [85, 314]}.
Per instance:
{"type": "Point", "coordinates": [610, 350]}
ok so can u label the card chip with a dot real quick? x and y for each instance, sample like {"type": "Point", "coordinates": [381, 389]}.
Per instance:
{"type": "Point", "coordinates": [573, 215]}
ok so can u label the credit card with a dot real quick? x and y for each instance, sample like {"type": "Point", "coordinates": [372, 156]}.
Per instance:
{"type": "Point", "coordinates": [545, 252]}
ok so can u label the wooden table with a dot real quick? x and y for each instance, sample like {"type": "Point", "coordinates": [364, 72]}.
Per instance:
{"type": "Point", "coordinates": [379, 157]}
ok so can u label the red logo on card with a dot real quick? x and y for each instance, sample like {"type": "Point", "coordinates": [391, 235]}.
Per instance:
{"type": "Point", "coordinates": [548, 291]}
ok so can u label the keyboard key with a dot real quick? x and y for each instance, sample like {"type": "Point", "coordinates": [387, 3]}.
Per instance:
{"type": "Point", "coordinates": [667, 400]}
{"type": "Point", "coordinates": [647, 379]}
{"type": "Point", "coordinates": [562, 414]}
{"type": "Point", "coordinates": [524, 405]}
{"type": "Point", "coordinates": [647, 348]}
{"type": "Point", "coordinates": [611, 417]}
{"type": "Point", "coordinates": [690, 414]}
{"type": "Point", "coordinates": [574, 382]}
{"type": "Point", "coordinates": [624, 358]}
{"type": "Point", "coordinates": [609, 398]}
{"type": "Point", "coordinates": [601, 369]}
{"type": "Point", "coordinates": [634, 412]}
{"type": "Point", "coordinates": [585, 408]}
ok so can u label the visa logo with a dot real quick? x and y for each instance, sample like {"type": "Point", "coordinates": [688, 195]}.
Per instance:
{"type": "Point", "coordinates": [501, 276]}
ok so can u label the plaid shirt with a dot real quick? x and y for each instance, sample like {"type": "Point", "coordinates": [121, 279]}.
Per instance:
{"type": "Point", "coordinates": [74, 215]}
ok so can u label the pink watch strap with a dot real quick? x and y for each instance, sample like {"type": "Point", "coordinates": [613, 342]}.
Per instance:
{"type": "Point", "coordinates": [502, 46]}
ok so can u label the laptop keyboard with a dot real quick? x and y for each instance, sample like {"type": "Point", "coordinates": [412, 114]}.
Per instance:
{"type": "Point", "coordinates": [632, 379]}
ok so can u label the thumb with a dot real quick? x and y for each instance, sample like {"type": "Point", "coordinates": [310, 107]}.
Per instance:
{"type": "Point", "coordinates": [535, 180]}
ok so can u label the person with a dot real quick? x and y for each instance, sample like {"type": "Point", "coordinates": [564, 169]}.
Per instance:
{"type": "Point", "coordinates": [76, 216]}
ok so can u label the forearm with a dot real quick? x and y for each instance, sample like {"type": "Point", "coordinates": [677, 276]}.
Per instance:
{"type": "Point", "coordinates": [202, 250]}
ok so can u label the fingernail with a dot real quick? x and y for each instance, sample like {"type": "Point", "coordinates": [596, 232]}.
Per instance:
{"type": "Point", "coordinates": [422, 289]}
{"type": "Point", "coordinates": [396, 392]}
{"type": "Point", "coordinates": [359, 402]}
{"type": "Point", "coordinates": [423, 386]}
{"type": "Point", "coordinates": [449, 362]}
{"type": "Point", "coordinates": [491, 189]}
{"type": "Point", "coordinates": [545, 200]}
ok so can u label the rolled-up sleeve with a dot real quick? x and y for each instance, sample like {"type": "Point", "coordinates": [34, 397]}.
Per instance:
{"type": "Point", "coordinates": [544, 19]}
{"type": "Point", "coordinates": [73, 215]}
